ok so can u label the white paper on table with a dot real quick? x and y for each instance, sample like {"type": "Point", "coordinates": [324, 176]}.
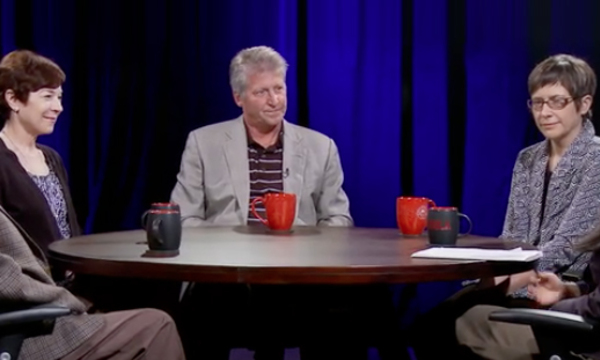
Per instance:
{"type": "Point", "coordinates": [455, 253]}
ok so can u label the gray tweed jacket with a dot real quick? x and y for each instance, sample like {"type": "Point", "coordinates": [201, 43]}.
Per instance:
{"type": "Point", "coordinates": [25, 281]}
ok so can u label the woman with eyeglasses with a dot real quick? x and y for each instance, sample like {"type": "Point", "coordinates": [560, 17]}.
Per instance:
{"type": "Point", "coordinates": [554, 202]}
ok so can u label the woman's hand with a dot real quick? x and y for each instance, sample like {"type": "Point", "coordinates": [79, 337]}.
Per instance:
{"type": "Point", "coordinates": [546, 288]}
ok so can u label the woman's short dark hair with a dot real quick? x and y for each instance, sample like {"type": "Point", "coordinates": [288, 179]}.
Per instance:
{"type": "Point", "coordinates": [24, 72]}
{"type": "Point", "coordinates": [573, 73]}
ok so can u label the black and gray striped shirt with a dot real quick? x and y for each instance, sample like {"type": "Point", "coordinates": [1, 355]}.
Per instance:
{"type": "Point", "coordinates": [266, 173]}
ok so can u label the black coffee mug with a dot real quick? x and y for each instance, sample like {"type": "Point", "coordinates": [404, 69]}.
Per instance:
{"type": "Point", "coordinates": [443, 225]}
{"type": "Point", "coordinates": [158, 206]}
{"type": "Point", "coordinates": [163, 231]}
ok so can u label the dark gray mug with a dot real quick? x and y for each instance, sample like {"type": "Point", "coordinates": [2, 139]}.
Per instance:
{"type": "Point", "coordinates": [443, 225]}
{"type": "Point", "coordinates": [163, 230]}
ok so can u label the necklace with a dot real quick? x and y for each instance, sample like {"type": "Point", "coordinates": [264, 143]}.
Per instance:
{"type": "Point", "coordinates": [22, 156]}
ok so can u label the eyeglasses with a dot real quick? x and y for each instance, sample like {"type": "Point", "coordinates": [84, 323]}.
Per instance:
{"type": "Point", "coordinates": [554, 103]}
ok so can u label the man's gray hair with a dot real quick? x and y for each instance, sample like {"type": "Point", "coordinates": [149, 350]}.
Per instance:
{"type": "Point", "coordinates": [254, 59]}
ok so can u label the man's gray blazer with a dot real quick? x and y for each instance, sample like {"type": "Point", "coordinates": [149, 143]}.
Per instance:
{"type": "Point", "coordinates": [213, 184]}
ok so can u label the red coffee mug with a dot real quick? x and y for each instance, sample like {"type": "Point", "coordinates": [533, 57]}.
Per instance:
{"type": "Point", "coordinates": [411, 214]}
{"type": "Point", "coordinates": [280, 209]}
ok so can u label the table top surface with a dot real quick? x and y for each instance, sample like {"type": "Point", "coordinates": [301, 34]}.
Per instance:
{"type": "Point", "coordinates": [256, 255]}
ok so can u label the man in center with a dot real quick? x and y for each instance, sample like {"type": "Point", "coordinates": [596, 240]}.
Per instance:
{"type": "Point", "coordinates": [223, 168]}
{"type": "Point", "coordinates": [226, 165]}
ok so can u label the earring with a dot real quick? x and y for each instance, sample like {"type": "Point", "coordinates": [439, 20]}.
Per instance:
{"type": "Point", "coordinates": [16, 110]}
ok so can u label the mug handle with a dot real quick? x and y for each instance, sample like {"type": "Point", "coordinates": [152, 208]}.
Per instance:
{"type": "Point", "coordinates": [145, 219]}
{"type": "Point", "coordinates": [156, 233]}
{"type": "Point", "coordinates": [431, 204]}
{"type": "Point", "coordinates": [253, 208]}
{"type": "Point", "coordinates": [470, 224]}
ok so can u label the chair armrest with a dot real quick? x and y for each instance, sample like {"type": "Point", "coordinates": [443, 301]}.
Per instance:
{"type": "Point", "coordinates": [546, 319]}
{"type": "Point", "coordinates": [572, 276]}
{"type": "Point", "coordinates": [32, 315]}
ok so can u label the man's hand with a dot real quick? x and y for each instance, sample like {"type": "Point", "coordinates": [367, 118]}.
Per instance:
{"type": "Point", "coordinates": [517, 281]}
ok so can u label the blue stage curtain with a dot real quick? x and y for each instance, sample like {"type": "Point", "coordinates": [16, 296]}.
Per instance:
{"type": "Point", "coordinates": [497, 66]}
{"type": "Point", "coordinates": [423, 98]}
{"type": "Point", "coordinates": [354, 96]}
{"type": "Point", "coordinates": [430, 117]}
{"type": "Point", "coordinates": [7, 25]}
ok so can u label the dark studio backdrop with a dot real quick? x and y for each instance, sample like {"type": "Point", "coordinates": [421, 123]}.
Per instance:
{"type": "Point", "coordinates": [423, 97]}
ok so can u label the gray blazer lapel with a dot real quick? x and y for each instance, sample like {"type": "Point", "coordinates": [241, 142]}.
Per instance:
{"type": "Point", "coordinates": [294, 162]}
{"type": "Point", "coordinates": [536, 188]}
{"type": "Point", "coordinates": [236, 154]}
{"type": "Point", "coordinates": [560, 188]}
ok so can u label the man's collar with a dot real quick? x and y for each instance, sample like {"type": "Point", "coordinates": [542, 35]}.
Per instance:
{"type": "Point", "coordinates": [278, 143]}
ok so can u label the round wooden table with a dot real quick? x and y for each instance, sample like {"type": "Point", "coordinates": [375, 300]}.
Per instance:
{"type": "Point", "coordinates": [308, 255]}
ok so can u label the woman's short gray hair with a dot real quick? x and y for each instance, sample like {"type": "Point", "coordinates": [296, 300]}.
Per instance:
{"type": "Point", "coordinates": [254, 59]}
